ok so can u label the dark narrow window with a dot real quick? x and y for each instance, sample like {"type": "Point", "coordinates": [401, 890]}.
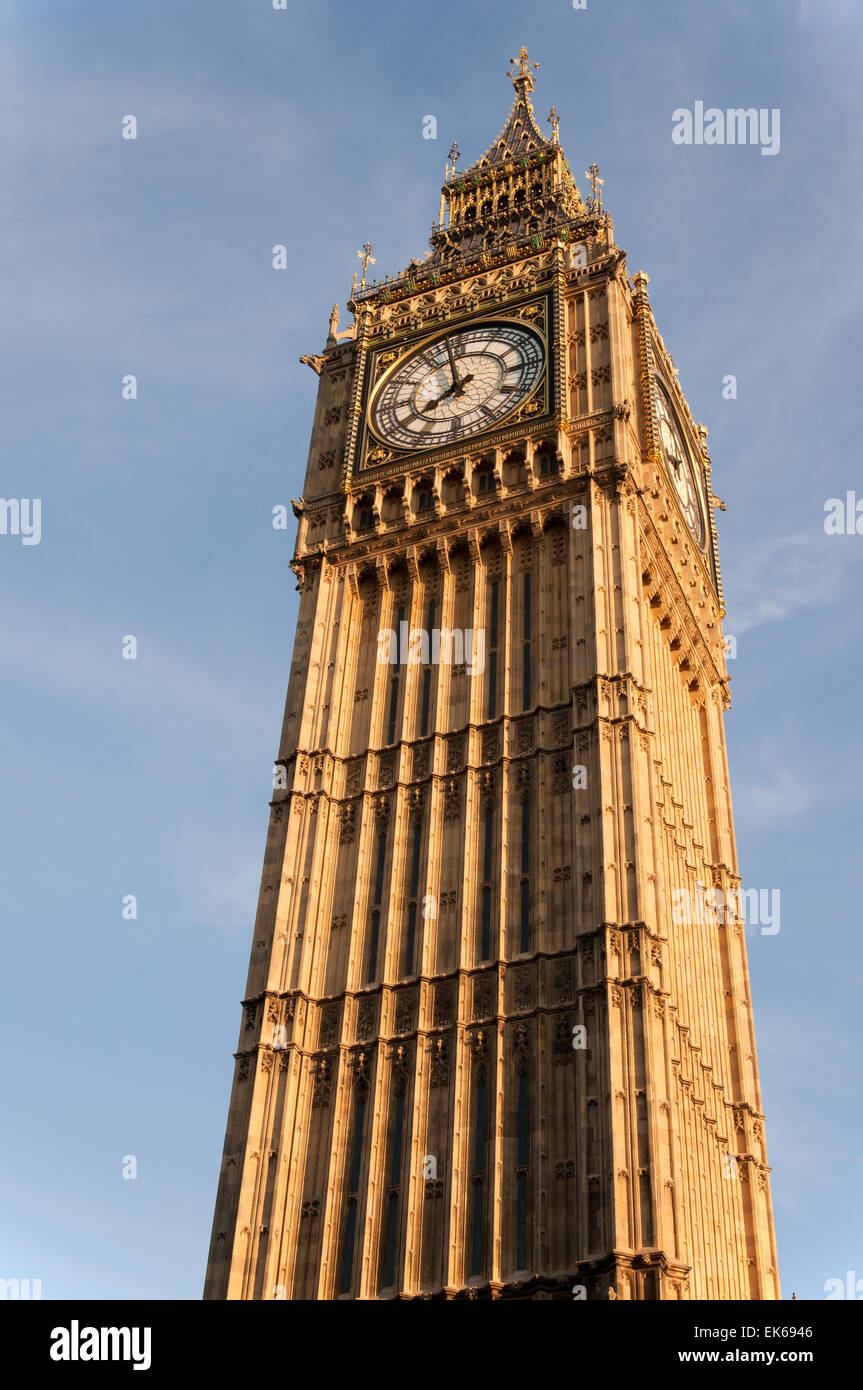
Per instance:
{"type": "Point", "coordinates": [410, 939]}
{"type": "Point", "coordinates": [525, 871]}
{"type": "Point", "coordinates": [357, 1146]}
{"type": "Point", "coordinates": [485, 922]}
{"type": "Point", "coordinates": [521, 1221]}
{"type": "Point", "coordinates": [525, 674]}
{"type": "Point", "coordinates": [373, 944]}
{"type": "Point", "coordinates": [379, 871]}
{"type": "Point", "coordinates": [492, 654]}
{"type": "Point", "coordinates": [374, 934]}
{"type": "Point", "coordinates": [413, 891]}
{"type": "Point", "coordinates": [392, 1227]}
{"type": "Point", "coordinates": [394, 679]}
{"type": "Point", "coordinates": [479, 1171]}
{"type": "Point", "coordinates": [521, 1175]}
{"type": "Point", "coordinates": [353, 1189]}
{"type": "Point", "coordinates": [393, 1201]}
{"type": "Point", "coordinates": [348, 1255]}
{"type": "Point", "coordinates": [522, 1120]}
{"type": "Point", "coordinates": [398, 1128]}
{"type": "Point", "coordinates": [427, 675]}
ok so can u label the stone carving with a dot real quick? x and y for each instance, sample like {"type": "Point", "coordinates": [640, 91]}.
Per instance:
{"type": "Point", "coordinates": [321, 1084]}
{"type": "Point", "coordinates": [404, 1021]}
{"type": "Point", "coordinates": [563, 1049]}
{"type": "Point", "coordinates": [452, 801]}
{"type": "Point", "coordinates": [561, 774]}
{"type": "Point", "coordinates": [365, 1019]}
{"type": "Point", "coordinates": [348, 828]}
{"type": "Point", "coordinates": [490, 746]}
{"type": "Point", "coordinates": [439, 1063]}
{"type": "Point", "coordinates": [455, 755]}
{"type": "Point", "coordinates": [561, 981]}
{"type": "Point", "coordinates": [521, 1047]}
{"type": "Point", "coordinates": [483, 996]}
{"type": "Point", "coordinates": [442, 1015]}
{"type": "Point", "coordinates": [522, 990]}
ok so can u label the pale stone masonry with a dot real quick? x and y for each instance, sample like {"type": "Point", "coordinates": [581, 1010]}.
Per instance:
{"type": "Point", "coordinates": [478, 1058]}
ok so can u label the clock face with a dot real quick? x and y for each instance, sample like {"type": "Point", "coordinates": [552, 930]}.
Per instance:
{"type": "Point", "coordinates": [459, 385]}
{"type": "Point", "coordinates": [677, 461]}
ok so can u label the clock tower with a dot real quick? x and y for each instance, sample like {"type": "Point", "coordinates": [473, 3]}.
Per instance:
{"type": "Point", "coordinates": [483, 1053]}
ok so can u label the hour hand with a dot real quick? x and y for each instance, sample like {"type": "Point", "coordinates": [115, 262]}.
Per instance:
{"type": "Point", "coordinates": [454, 390]}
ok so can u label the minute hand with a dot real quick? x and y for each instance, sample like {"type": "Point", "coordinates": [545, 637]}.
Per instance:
{"type": "Point", "coordinates": [455, 376]}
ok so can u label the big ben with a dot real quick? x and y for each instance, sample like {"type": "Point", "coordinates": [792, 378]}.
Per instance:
{"type": "Point", "coordinates": [481, 1055]}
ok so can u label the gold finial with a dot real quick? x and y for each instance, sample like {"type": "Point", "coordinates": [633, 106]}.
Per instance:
{"type": "Point", "coordinates": [554, 122]}
{"type": "Point", "coordinates": [367, 259]}
{"type": "Point", "coordinates": [595, 182]}
{"type": "Point", "coordinates": [452, 158]}
{"type": "Point", "coordinates": [523, 74]}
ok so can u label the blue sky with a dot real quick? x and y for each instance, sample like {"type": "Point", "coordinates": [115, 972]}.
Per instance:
{"type": "Point", "coordinates": [153, 257]}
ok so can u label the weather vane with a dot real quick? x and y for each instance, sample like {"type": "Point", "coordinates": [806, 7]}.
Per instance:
{"type": "Point", "coordinates": [367, 260]}
{"type": "Point", "coordinates": [595, 183]}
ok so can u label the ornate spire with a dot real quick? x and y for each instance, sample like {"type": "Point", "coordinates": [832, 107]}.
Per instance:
{"type": "Point", "coordinates": [521, 135]}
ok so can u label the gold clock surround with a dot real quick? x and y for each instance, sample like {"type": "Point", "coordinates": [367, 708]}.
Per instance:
{"type": "Point", "coordinates": [375, 452]}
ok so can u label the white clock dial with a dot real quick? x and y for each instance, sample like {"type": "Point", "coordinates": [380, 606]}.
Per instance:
{"type": "Point", "coordinates": [458, 385]}
{"type": "Point", "coordinates": [679, 466]}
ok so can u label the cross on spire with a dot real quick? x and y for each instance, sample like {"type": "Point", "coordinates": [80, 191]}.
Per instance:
{"type": "Point", "coordinates": [523, 74]}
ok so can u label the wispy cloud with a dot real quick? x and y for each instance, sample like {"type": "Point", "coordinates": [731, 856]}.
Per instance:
{"type": "Point", "coordinates": [775, 577]}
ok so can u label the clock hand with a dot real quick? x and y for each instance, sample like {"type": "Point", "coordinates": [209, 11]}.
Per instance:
{"type": "Point", "coordinates": [452, 365]}
{"type": "Point", "coordinates": [457, 389]}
